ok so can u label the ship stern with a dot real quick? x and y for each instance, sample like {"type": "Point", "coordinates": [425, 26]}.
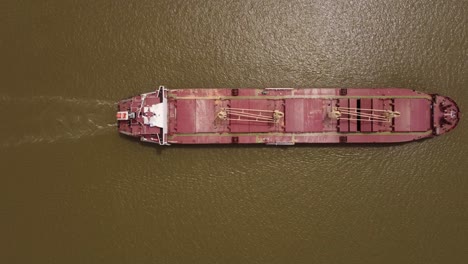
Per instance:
{"type": "Point", "coordinates": [145, 116]}
{"type": "Point", "coordinates": [124, 118]}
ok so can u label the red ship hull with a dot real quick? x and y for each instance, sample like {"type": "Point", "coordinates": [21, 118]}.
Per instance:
{"type": "Point", "coordinates": [285, 116]}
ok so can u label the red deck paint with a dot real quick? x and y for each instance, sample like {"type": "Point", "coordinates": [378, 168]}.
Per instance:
{"type": "Point", "coordinates": [286, 116]}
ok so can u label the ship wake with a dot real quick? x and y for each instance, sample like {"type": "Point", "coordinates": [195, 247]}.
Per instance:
{"type": "Point", "coordinates": [52, 119]}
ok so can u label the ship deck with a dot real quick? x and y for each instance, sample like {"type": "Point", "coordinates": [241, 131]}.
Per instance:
{"type": "Point", "coordinates": [193, 116]}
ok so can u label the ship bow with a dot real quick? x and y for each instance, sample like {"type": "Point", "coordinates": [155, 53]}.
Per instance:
{"type": "Point", "coordinates": [446, 114]}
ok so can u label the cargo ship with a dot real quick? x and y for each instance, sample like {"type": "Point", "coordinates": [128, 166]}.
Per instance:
{"type": "Point", "coordinates": [285, 116]}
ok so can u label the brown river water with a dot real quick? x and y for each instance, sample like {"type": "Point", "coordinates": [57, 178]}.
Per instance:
{"type": "Point", "coordinates": [74, 191]}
